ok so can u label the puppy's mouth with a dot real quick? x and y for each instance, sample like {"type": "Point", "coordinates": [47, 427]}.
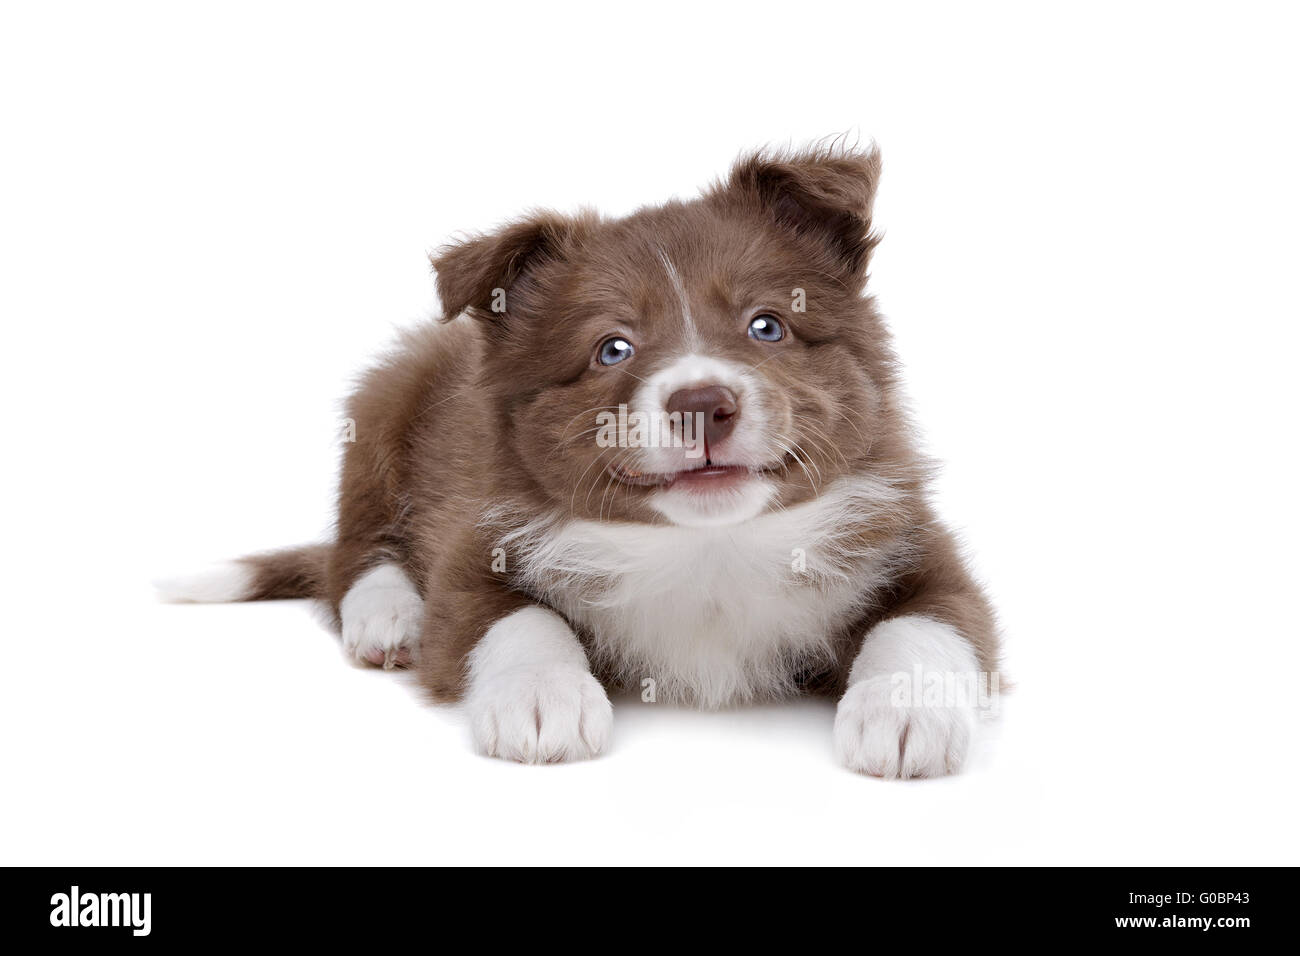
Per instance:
{"type": "Point", "coordinates": [707, 476]}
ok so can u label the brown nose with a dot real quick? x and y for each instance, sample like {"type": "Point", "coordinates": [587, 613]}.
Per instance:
{"type": "Point", "coordinates": [717, 404]}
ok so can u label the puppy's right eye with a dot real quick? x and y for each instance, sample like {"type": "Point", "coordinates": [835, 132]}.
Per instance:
{"type": "Point", "coordinates": [614, 350]}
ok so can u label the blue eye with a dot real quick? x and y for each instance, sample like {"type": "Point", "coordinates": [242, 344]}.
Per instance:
{"type": "Point", "coordinates": [766, 328]}
{"type": "Point", "coordinates": [615, 350]}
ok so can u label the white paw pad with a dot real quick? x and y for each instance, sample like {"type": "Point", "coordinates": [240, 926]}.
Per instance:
{"type": "Point", "coordinates": [876, 736]}
{"type": "Point", "coordinates": [548, 716]}
{"type": "Point", "coordinates": [381, 618]}
{"type": "Point", "coordinates": [531, 696]}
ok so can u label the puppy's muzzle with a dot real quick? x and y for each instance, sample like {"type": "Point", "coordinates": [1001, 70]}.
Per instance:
{"type": "Point", "coordinates": [716, 403]}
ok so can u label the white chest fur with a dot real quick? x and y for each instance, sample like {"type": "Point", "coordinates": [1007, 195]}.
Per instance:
{"type": "Point", "coordinates": [713, 615]}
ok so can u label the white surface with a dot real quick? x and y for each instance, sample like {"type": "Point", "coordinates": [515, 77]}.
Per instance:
{"type": "Point", "coordinates": [210, 220]}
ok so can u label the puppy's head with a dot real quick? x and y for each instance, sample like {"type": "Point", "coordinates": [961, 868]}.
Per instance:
{"type": "Point", "coordinates": [698, 362]}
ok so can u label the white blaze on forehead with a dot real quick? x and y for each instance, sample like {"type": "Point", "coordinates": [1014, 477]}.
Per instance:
{"type": "Point", "coordinates": [679, 287]}
{"type": "Point", "coordinates": [691, 371]}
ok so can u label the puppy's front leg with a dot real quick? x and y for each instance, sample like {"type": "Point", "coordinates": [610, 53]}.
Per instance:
{"type": "Point", "coordinates": [531, 696]}
{"type": "Point", "coordinates": [908, 710]}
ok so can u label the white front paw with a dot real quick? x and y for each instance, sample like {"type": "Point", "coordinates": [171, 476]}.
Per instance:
{"type": "Point", "coordinates": [874, 735]}
{"type": "Point", "coordinates": [381, 617]}
{"type": "Point", "coordinates": [546, 715]}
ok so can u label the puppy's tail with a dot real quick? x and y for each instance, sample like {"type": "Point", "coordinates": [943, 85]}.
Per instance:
{"type": "Point", "coordinates": [289, 573]}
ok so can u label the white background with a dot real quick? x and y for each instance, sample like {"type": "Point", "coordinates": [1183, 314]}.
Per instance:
{"type": "Point", "coordinates": [213, 215]}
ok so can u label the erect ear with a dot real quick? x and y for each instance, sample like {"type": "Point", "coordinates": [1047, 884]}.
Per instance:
{"type": "Point", "coordinates": [478, 273]}
{"type": "Point", "coordinates": [826, 193]}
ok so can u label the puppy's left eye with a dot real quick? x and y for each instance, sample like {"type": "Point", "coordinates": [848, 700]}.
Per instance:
{"type": "Point", "coordinates": [766, 328]}
{"type": "Point", "coordinates": [615, 350]}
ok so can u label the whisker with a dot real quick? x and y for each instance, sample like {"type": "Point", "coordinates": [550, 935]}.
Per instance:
{"type": "Point", "coordinates": [578, 484]}
{"type": "Point", "coordinates": [798, 461]}
{"type": "Point", "coordinates": [810, 461]}
{"type": "Point", "coordinates": [619, 368]}
{"type": "Point", "coordinates": [808, 425]}
{"type": "Point", "coordinates": [565, 441]}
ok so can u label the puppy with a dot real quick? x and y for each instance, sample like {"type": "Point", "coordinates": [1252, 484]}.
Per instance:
{"type": "Point", "coordinates": [665, 452]}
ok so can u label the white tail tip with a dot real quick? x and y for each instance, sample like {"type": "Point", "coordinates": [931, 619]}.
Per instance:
{"type": "Point", "coordinates": [231, 581]}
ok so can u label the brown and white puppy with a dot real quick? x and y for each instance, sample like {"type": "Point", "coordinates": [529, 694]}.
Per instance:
{"type": "Point", "coordinates": [664, 452]}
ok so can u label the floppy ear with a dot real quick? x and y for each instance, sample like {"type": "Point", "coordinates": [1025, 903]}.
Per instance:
{"type": "Point", "coordinates": [477, 273]}
{"type": "Point", "coordinates": [824, 193]}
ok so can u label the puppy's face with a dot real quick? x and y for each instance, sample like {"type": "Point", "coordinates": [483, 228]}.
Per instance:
{"type": "Point", "coordinates": [697, 363]}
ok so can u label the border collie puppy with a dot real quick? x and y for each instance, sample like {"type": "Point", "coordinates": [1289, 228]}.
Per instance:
{"type": "Point", "coordinates": [665, 452]}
